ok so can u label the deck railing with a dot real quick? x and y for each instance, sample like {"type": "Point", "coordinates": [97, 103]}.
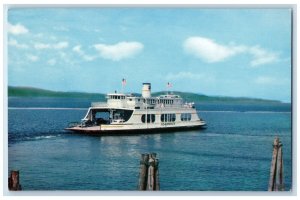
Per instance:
{"type": "Point", "coordinates": [99, 104]}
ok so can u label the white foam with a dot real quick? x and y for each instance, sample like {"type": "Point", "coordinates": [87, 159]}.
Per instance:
{"type": "Point", "coordinates": [45, 137]}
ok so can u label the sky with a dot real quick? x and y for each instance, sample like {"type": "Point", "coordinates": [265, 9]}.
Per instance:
{"type": "Point", "coordinates": [221, 52]}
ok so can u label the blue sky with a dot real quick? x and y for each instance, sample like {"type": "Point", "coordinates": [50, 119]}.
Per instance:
{"type": "Point", "coordinates": [226, 52]}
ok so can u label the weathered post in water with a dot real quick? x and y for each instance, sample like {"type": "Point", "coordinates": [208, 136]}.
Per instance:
{"type": "Point", "coordinates": [148, 179]}
{"type": "Point", "coordinates": [276, 170]}
{"type": "Point", "coordinates": [143, 172]}
{"type": "Point", "coordinates": [157, 186]}
{"type": "Point", "coordinates": [14, 181]}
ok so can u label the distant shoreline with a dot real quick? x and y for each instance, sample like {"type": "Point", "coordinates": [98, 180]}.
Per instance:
{"type": "Point", "coordinates": [16, 91]}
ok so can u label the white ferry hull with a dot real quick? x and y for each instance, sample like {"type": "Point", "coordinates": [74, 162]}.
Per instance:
{"type": "Point", "coordinates": [97, 130]}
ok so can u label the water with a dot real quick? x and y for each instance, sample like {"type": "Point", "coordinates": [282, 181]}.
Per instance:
{"type": "Point", "coordinates": [233, 154]}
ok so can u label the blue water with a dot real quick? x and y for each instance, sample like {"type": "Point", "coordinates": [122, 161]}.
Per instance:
{"type": "Point", "coordinates": [233, 154]}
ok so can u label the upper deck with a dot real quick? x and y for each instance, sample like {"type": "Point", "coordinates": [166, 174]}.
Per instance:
{"type": "Point", "coordinates": [129, 101]}
{"type": "Point", "coordinates": [146, 101]}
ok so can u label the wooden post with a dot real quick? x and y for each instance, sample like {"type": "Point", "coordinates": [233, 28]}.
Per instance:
{"type": "Point", "coordinates": [276, 170]}
{"type": "Point", "coordinates": [14, 181]}
{"type": "Point", "coordinates": [279, 175]}
{"type": "Point", "coordinates": [157, 186]}
{"type": "Point", "coordinates": [148, 179]}
{"type": "Point", "coordinates": [143, 172]}
{"type": "Point", "coordinates": [151, 175]}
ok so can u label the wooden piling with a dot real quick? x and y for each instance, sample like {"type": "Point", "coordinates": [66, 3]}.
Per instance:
{"type": "Point", "coordinates": [279, 176]}
{"type": "Point", "coordinates": [157, 186]}
{"type": "Point", "coordinates": [143, 172]}
{"type": "Point", "coordinates": [276, 170]}
{"type": "Point", "coordinates": [148, 179]}
{"type": "Point", "coordinates": [14, 181]}
{"type": "Point", "coordinates": [151, 175]}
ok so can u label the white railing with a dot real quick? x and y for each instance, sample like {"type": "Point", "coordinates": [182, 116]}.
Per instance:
{"type": "Point", "coordinates": [99, 104]}
{"type": "Point", "coordinates": [185, 105]}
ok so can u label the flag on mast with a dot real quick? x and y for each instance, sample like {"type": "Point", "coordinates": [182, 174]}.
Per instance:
{"type": "Point", "coordinates": [169, 85]}
{"type": "Point", "coordinates": [123, 82]}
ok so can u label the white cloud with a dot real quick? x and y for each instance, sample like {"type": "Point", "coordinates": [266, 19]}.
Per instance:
{"type": "Point", "coordinates": [80, 52]}
{"type": "Point", "coordinates": [190, 76]}
{"type": "Point", "coordinates": [39, 46]}
{"type": "Point", "coordinates": [51, 62]}
{"type": "Point", "coordinates": [17, 29]}
{"type": "Point", "coordinates": [15, 43]}
{"type": "Point", "coordinates": [210, 51]}
{"type": "Point", "coordinates": [39, 35]}
{"type": "Point", "coordinates": [32, 58]}
{"type": "Point", "coordinates": [59, 45]}
{"type": "Point", "coordinates": [261, 56]}
{"type": "Point", "coordinates": [267, 80]}
{"type": "Point", "coordinates": [184, 75]}
{"type": "Point", "coordinates": [66, 58]}
{"type": "Point", "coordinates": [119, 51]}
{"type": "Point", "coordinates": [89, 58]}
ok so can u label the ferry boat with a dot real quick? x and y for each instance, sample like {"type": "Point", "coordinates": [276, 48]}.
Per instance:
{"type": "Point", "coordinates": [128, 113]}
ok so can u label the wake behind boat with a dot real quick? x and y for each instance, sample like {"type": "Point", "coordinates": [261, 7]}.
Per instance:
{"type": "Point", "coordinates": [128, 113]}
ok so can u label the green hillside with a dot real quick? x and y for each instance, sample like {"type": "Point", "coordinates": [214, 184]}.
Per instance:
{"type": "Point", "coordinates": [204, 98]}
{"type": "Point", "coordinates": [36, 92]}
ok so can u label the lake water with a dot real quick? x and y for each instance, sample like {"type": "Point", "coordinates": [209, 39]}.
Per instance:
{"type": "Point", "coordinates": [233, 154]}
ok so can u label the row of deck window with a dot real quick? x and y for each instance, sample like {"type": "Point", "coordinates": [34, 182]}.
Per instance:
{"type": "Point", "coordinates": [149, 101]}
{"type": "Point", "coordinates": [186, 117]}
{"type": "Point", "coordinates": [169, 117]}
{"type": "Point", "coordinates": [150, 118]}
{"type": "Point", "coordinates": [164, 101]}
{"type": "Point", "coordinates": [117, 97]}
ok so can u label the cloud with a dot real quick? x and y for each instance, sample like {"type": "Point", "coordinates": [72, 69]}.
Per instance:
{"type": "Point", "coordinates": [119, 51]}
{"type": "Point", "coordinates": [17, 29]}
{"type": "Point", "coordinates": [184, 75]}
{"type": "Point", "coordinates": [59, 45]}
{"type": "Point", "coordinates": [51, 62]}
{"type": "Point", "coordinates": [261, 56]}
{"type": "Point", "coordinates": [32, 58]}
{"type": "Point", "coordinates": [15, 43]}
{"type": "Point", "coordinates": [39, 46]}
{"type": "Point", "coordinates": [80, 52]}
{"type": "Point", "coordinates": [209, 51]}
{"type": "Point", "coordinates": [267, 80]}
{"type": "Point", "coordinates": [190, 76]}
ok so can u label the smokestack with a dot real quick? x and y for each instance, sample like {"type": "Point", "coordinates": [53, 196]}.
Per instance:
{"type": "Point", "coordinates": [146, 91]}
